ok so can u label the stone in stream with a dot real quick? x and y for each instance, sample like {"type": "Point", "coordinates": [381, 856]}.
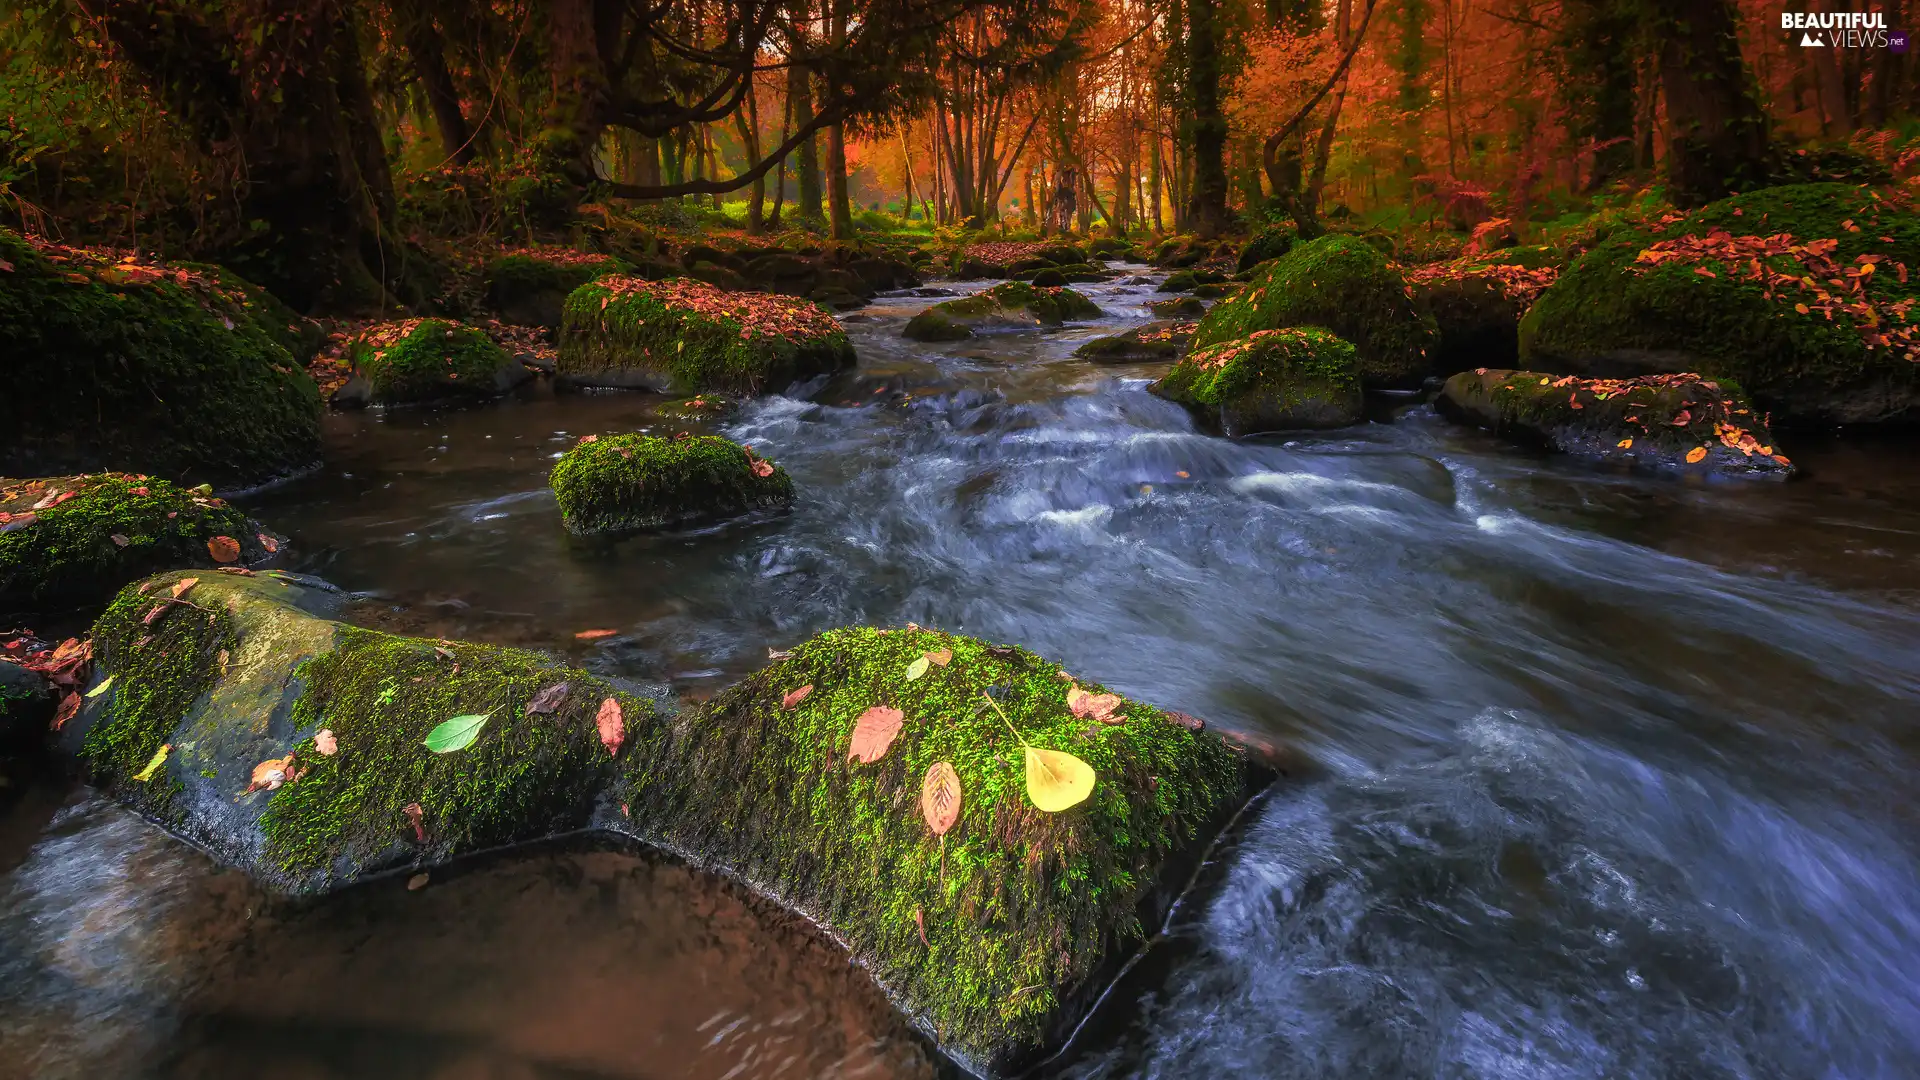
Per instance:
{"type": "Point", "coordinates": [1802, 294]}
{"type": "Point", "coordinates": [684, 336]}
{"type": "Point", "coordinates": [1682, 423]}
{"type": "Point", "coordinates": [294, 749]}
{"type": "Point", "coordinates": [67, 541]}
{"type": "Point", "coordinates": [1163, 340]}
{"type": "Point", "coordinates": [1178, 307]}
{"type": "Point", "coordinates": [1009, 304]}
{"type": "Point", "coordinates": [170, 369]}
{"type": "Point", "coordinates": [1476, 302]}
{"type": "Point", "coordinates": [1179, 281]}
{"type": "Point", "coordinates": [1271, 380]}
{"type": "Point", "coordinates": [1341, 283]}
{"type": "Point", "coordinates": [530, 288]}
{"type": "Point", "coordinates": [427, 361]}
{"type": "Point", "coordinates": [616, 482]}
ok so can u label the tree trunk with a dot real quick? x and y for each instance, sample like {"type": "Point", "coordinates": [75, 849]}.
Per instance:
{"type": "Point", "coordinates": [841, 214]}
{"type": "Point", "coordinates": [1209, 125]}
{"type": "Point", "coordinates": [800, 90]}
{"type": "Point", "coordinates": [1717, 141]}
{"type": "Point", "coordinates": [429, 55]}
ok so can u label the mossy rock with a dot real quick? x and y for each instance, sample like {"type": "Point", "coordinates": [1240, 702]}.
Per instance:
{"type": "Point", "coordinates": [783, 272]}
{"type": "Point", "coordinates": [1013, 304]}
{"type": "Point", "coordinates": [1026, 914]}
{"type": "Point", "coordinates": [718, 275]}
{"type": "Point", "coordinates": [1271, 380]}
{"type": "Point", "coordinates": [614, 482]}
{"type": "Point", "coordinates": [300, 336]}
{"type": "Point", "coordinates": [1048, 279]}
{"type": "Point", "coordinates": [1156, 341]}
{"type": "Point", "coordinates": [1268, 243]}
{"type": "Point", "coordinates": [1703, 309]}
{"type": "Point", "coordinates": [1179, 281]}
{"type": "Point", "coordinates": [93, 533]}
{"type": "Point", "coordinates": [1181, 252]}
{"type": "Point", "coordinates": [1340, 283]}
{"type": "Point", "coordinates": [1214, 290]}
{"type": "Point", "coordinates": [111, 366]}
{"type": "Point", "coordinates": [1477, 302]}
{"type": "Point", "coordinates": [1063, 254]}
{"type": "Point", "coordinates": [426, 361]}
{"type": "Point", "coordinates": [1178, 307]}
{"type": "Point", "coordinates": [1672, 423]}
{"type": "Point", "coordinates": [1082, 273]}
{"type": "Point", "coordinates": [245, 670]}
{"type": "Point", "coordinates": [529, 290]}
{"type": "Point", "coordinates": [1108, 247]}
{"type": "Point", "coordinates": [683, 336]}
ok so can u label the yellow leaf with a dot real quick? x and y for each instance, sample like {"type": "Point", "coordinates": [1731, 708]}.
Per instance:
{"type": "Point", "coordinates": [1057, 780]}
{"type": "Point", "coordinates": [1696, 455]}
{"type": "Point", "coordinates": [1801, 308]}
{"type": "Point", "coordinates": [153, 764]}
{"type": "Point", "coordinates": [1625, 444]}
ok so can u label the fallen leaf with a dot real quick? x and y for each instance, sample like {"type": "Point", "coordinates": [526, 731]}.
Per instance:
{"type": "Point", "coordinates": [270, 774]}
{"type": "Point", "coordinates": [324, 742]}
{"type": "Point", "coordinates": [1185, 720]}
{"type": "Point", "coordinates": [102, 688]}
{"type": "Point", "coordinates": [417, 882]}
{"type": "Point", "coordinates": [224, 549]}
{"type": "Point", "coordinates": [873, 733]}
{"type": "Point", "coordinates": [1093, 706]}
{"type": "Point", "coordinates": [917, 668]}
{"type": "Point", "coordinates": [1182, 474]}
{"type": "Point", "coordinates": [180, 587]}
{"type": "Point", "coordinates": [795, 696]}
{"type": "Point", "coordinates": [269, 543]}
{"type": "Point", "coordinates": [613, 727]}
{"type": "Point", "coordinates": [119, 540]}
{"type": "Point", "coordinates": [550, 699]}
{"type": "Point", "coordinates": [1696, 455]}
{"type": "Point", "coordinates": [455, 734]}
{"type": "Point", "coordinates": [69, 705]}
{"type": "Point", "coordinates": [763, 468]}
{"type": "Point", "coordinates": [1057, 780]}
{"type": "Point", "coordinates": [920, 921]}
{"type": "Point", "coordinates": [941, 657]}
{"type": "Point", "coordinates": [1624, 444]}
{"type": "Point", "coordinates": [940, 797]}
{"type": "Point", "coordinates": [416, 816]}
{"type": "Point", "coordinates": [158, 759]}
{"type": "Point", "coordinates": [1801, 308]}
{"type": "Point", "coordinates": [594, 635]}
{"type": "Point", "coordinates": [779, 654]}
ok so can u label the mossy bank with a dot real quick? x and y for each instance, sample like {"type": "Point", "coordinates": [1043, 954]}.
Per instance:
{"type": "Point", "coordinates": [613, 482]}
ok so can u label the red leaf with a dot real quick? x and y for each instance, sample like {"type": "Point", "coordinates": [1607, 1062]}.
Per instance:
{"type": "Point", "coordinates": [269, 543]}
{"type": "Point", "coordinates": [874, 732]}
{"type": "Point", "coordinates": [613, 728]}
{"type": "Point", "coordinates": [594, 635]}
{"type": "Point", "coordinates": [795, 697]}
{"type": "Point", "coordinates": [224, 549]}
{"type": "Point", "coordinates": [69, 705]}
{"type": "Point", "coordinates": [416, 815]}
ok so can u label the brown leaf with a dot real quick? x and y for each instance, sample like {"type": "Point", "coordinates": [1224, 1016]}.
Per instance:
{"type": "Point", "coordinates": [594, 635]}
{"type": "Point", "coordinates": [920, 920]}
{"type": "Point", "coordinates": [940, 797]}
{"type": "Point", "coordinates": [270, 774]}
{"type": "Point", "coordinates": [795, 696]}
{"type": "Point", "coordinates": [550, 699]}
{"type": "Point", "coordinates": [613, 728]}
{"type": "Point", "coordinates": [1093, 706]}
{"type": "Point", "coordinates": [324, 742]}
{"type": "Point", "coordinates": [873, 733]}
{"type": "Point", "coordinates": [941, 657]}
{"type": "Point", "coordinates": [153, 614]}
{"type": "Point", "coordinates": [69, 705]}
{"type": "Point", "coordinates": [1191, 723]}
{"type": "Point", "coordinates": [180, 587]}
{"type": "Point", "coordinates": [417, 881]}
{"type": "Point", "coordinates": [417, 816]}
{"type": "Point", "coordinates": [269, 543]}
{"type": "Point", "coordinates": [224, 549]}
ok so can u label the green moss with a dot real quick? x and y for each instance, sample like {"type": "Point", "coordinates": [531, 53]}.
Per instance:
{"type": "Point", "coordinates": [1178, 307]}
{"type": "Point", "coordinates": [432, 360]}
{"type": "Point", "coordinates": [1021, 909]}
{"type": "Point", "coordinates": [531, 290]}
{"type": "Point", "coordinates": [1155, 341]}
{"type": "Point", "coordinates": [1014, 301]}
{"type": "Point", "coordinates": [1299, 377]}
{"type": "Point", "coordinates": [1179, 281]}
{"type": "Point", "coordinates": [114, 370]}
{"type": "Point", "coordinates": [1343, 284]}
{"type": "Point", "coordinates": [114, 529]}
{"type": "Point", "coordinates": [641, 481]}
{"type": "Point", "coordinates": [1268, 243]}
{"type": "Point", "coordinates": [934, 324]}
{"type": "Point", "coordinates": [1049, 278]}
{"type": "Point", "coordinates": [524, 776]}
{"type": "Point", "coordinates": [684, 336]}
{"type": "Point", "coordinates": [1608, 310]}
{"type": "Point", "coordinates": [299, 335]}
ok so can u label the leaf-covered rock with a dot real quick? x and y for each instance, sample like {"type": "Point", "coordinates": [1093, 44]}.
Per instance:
{"type": "Point", "coordinates": [73, 540]}
{"type": "Point", "coordinates": [1685, 423]}
{"type": "Point", "coordinates": [1010, 305]}
{"type": "Point", "coordinates": [629, 481]}
{"type": "Point", "coordinates": [1343, 284]}
{"type": "Point", "coordinates": [1802, 294]}
{"type": "Point", "coordinates": [112, 362]}
{"type": "Point", "coordinates": [423, 361]}
{"type": "Point", "coordinates": [1163, 340]}
{"type": "Point", "coordinates": [1271, 380]}
{"type": "Point", "coordinates": [685, 336]}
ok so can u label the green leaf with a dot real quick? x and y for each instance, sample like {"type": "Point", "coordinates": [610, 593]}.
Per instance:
{"type": "Point", "coordinates": [102, 688]}
{"type": "Point", "coordinates": [916, 669]}
{"type": "Point", "coordinates": [456, 734]}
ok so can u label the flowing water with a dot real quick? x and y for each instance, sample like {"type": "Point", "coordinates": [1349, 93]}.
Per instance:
{"type": "Point", "coordinates": [1611, 775]}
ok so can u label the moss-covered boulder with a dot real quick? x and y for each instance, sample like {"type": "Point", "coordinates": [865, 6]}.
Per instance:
{"type": "Point", "coordinates": [1684, 423]}
{"type": "Point", "coordinates": [1179, 252]}
{"type": "Point", "coordinates": [295, 745]}
{"type": "Point", "coordinates": [1178, 307]}
{"type": "Point", "coordinates": [1010, 305]}
{"type": "Point", "coordinates": [1477, 302]}
{"type": "Point", "coordinates": [1271, 380]}
{"type": "Point", "coordinates": [144, 366]}
{"type": "Point", "coordinates": [998, 937]}
{"type": "Point", "coordinates": [1048, 278]}
{"type": "Point", "coordinates": [1340, 283]}
{"type": "Point", "coordinates": [1269, 243]}
{"type": "Point", "coordinates": [1801, 294]}
{"type": "Point", "coordinates": [615, 482]}
{"type": "Point", "coordinates": [530, 288]}
{"type": "Point", "coordinates": [1163, 340]}
{"type": "Point", "coordinates": [426, 361]}
{"type": "Point", "coordinates": [66, 541]}
{"type": "Point", "coordinates": [1108, 247]}
{"type": "Point", "coordinates": [684, 336]}
{"type": "Point", "coordinates": [1179, 281]}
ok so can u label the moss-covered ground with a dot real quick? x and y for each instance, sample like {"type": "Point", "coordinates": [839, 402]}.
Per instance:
{"type": "Point", "coordinates": [1343, 284]}
{"type": "Point", "coordinates": [1272, 380]}
{"type": "Point", "coordinates": [642, 481]}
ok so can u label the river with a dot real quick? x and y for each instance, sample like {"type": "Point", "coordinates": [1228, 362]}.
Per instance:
{"type": "Point", "coordinates": [1602, 775]}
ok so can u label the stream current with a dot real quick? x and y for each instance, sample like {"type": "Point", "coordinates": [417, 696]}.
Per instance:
{"type": "Point", "coordinates": [1603, 775]}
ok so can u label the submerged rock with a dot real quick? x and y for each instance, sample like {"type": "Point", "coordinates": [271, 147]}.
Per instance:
{"type": "Point", "coordinates": [1163, 340]}
{"type": "Point", "coordinates": [1271, 380]}
{"type": "Point", "coordinates": [1341, 283]}
{"type": "Point", "coordinates": [685, 336]}
{"type": "Point", "coordinates": [1010, 304]}
{"type": "Point", "coordinates": [530, 288]}
{"type": "Point", "coordinates": [423, 361]}
{"type": "Point", "coordinates": [1684, 423]}
{"type": "Point", "coordinates": [645, 482]}
{"type": "Point", "coordinates": [146, 366]}
{"type": "Point", "coordinates": [1802, 294]}
{"type": "Point", "coordinates": [72, 540]}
